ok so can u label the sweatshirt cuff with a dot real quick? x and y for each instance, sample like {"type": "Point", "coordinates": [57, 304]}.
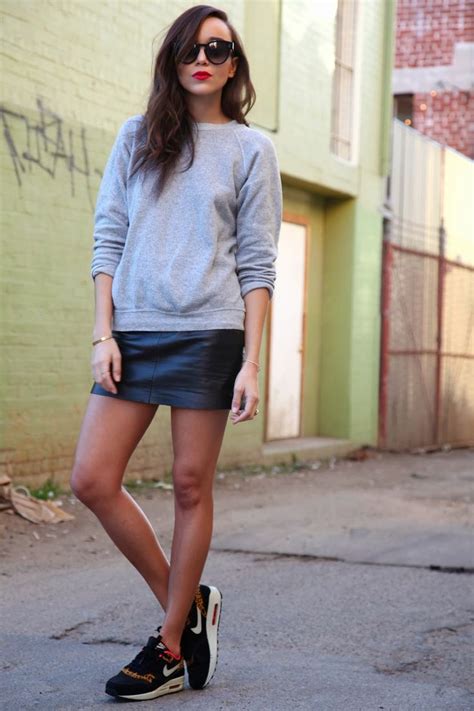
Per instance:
{"type": "Point", "coordinates": [256, 285]}
{"type": "Point", "coordinates": [107, 269]}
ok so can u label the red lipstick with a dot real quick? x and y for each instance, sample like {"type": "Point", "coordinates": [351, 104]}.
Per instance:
{"type": "Point", "coordinates": [201, 75]}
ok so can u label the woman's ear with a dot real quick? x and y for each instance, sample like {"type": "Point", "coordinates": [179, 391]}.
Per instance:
{"type": "Point", "coordinates": [234, 66]}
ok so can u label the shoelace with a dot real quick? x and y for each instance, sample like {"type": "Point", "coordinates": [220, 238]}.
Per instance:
{"type": "Point", "coordinates": [148, 654]}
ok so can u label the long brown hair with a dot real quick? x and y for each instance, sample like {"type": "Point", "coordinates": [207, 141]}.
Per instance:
{"type": "Point", "coordinates": [167, 124]}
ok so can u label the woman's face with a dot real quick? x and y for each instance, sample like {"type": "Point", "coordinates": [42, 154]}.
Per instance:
{"type": "Point", "coordinates": [211, 28]}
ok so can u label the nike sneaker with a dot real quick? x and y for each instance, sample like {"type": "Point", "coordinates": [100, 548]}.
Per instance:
{"type": "Point", "coordinates": [199, 644]}
{"type": "Point", "coordinates": [155, 671]}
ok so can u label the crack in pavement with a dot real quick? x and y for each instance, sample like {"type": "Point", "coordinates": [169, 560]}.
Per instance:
{"type": "Point", "coordinates": [70, 630]}
{"type": "Point", "coordinates": [109, 640]}
{"type": "Point", "coordinates": [430, 653]}
{"type": "Point", "coordinates": [451, 628]}
{"type": "Point", "coordinates": [306, 557]}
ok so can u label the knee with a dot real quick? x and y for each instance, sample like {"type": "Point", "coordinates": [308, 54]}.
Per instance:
{"type": "Point", "coordinates": [188, 487]}
{"type": "Point", "coordinates": [87, 486]}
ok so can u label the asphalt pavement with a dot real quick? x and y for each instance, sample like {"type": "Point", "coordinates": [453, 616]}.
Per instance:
{"type": "Point", "coordinates": [347, 586]}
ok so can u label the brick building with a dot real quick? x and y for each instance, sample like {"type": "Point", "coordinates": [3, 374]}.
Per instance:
{"type": "Point", "coordinates": [433, 70]}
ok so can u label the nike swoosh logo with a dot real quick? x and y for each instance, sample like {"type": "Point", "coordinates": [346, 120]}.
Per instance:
{"type": "Point", "coordinates": [198, 628]}
{"type": "Point", "coordinates": [169, 670]}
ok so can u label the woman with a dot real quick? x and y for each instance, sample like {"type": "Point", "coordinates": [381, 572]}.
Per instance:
{"type": "Point", "coordinates": [186, 230]}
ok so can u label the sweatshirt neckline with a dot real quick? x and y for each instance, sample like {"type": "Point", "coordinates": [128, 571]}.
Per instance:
{"type": "Point", "coordinates": [206, 126]}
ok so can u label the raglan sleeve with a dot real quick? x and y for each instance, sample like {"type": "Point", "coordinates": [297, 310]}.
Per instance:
{"type": "Point", "coordinates": [111, 210]}
{"type": "Point", "coordinates": [259, 217]}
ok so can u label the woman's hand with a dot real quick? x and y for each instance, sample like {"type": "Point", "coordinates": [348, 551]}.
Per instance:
{"type": "Point", "coordinates": [105, 355]}
{"type": "Point", "coordinates": [246, 397]}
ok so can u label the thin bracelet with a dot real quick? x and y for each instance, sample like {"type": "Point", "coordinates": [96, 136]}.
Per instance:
{"type": "Point", "coordinates": [99, 340]}
{"type": "Point", "coordinates": [252, 361]}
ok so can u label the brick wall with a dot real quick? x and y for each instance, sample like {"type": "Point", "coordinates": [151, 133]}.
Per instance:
{"type": "Point", "coordinates": [448, 118]}
{"type": "Point", "coordinates": [72, 73]}
{"type": "Point", "coordinates": [427, 31]}
{"type": "Point", "coordinates": [434, 40]}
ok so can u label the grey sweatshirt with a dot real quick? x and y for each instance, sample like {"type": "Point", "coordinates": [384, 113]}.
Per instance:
{"type": "Point", "coordinates": [186, 260]}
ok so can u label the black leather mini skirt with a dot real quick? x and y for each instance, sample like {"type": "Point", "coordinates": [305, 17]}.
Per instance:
{"type": "Point", "coordinates": [194, 369]}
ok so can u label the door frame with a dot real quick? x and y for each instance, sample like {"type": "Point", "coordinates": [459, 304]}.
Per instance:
{"type": "Point", "coordinates": [304, 221]}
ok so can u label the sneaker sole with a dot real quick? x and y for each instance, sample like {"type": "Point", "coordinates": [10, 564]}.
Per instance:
{"type": "Point", "coordinates": [170, 687]}
{"type": "Point", "coordinates": [212, 630]}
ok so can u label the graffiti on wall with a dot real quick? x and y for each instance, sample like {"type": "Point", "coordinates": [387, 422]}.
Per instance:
{"type": "Point", "coordinates": [47, 144]}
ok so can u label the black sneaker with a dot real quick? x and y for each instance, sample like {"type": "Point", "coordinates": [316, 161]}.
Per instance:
{"type": "Point", "coordinates": [199, 639]}
{"type": "Point", "coordinates": [155, 671]}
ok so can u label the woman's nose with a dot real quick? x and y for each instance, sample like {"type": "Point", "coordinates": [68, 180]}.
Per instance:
{"type": "Point", "coordinates": [201, 50]}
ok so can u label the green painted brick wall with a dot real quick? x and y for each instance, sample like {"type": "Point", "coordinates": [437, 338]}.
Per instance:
{"type": "Point", "coordinates": [71, 74]}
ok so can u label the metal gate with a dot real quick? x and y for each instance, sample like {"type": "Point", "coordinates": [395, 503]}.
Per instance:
{"type": "Point", "coordinates": [427, 342]}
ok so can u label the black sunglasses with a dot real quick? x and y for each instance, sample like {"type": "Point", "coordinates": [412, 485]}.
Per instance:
{"type": "Point", "coordinates": [217, 51]}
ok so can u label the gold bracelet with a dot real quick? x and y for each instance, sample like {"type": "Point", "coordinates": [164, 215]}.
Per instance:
{"type": "Point", "coordinates": [252, 361]}
{"type": "Point", "coordinates": [99, 340]}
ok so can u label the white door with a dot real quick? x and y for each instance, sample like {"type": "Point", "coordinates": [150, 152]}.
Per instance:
{"type": "Point", "coordinates": [286, 335]}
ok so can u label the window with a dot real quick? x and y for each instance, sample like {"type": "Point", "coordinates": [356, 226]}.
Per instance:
{"type": "Point", "coordinates": [342, 110]}
{"type": "Point", "coordinates": [403, 108]}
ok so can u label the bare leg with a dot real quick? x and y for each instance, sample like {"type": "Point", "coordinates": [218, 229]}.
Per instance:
{"type": "Point", "coordinates": [110, 432]}
{"type": "Point", "coordinates": [197, 440]}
